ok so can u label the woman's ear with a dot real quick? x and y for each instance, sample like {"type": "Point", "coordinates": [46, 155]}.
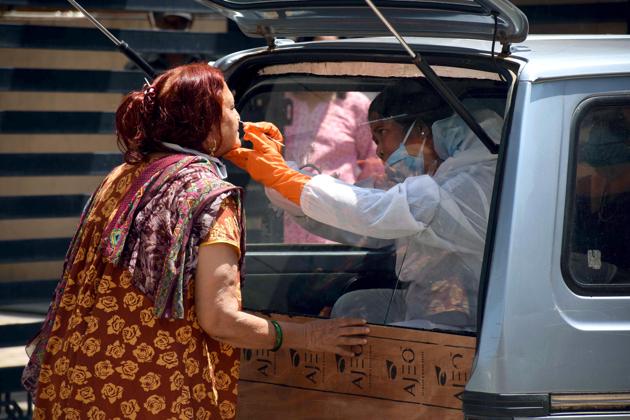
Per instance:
{"type": "Point", "coordinates": [423, 130]}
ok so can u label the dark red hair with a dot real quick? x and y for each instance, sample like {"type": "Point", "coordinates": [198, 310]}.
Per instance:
{"type": "Point", "coordinates": [182, 106]}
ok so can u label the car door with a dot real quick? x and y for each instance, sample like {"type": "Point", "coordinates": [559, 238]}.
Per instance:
{"type": "Point", "coordinates": [552, 341]}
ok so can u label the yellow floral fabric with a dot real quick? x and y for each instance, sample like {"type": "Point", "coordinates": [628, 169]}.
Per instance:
{"type": "Point", "coordinates": [109, 357]}
{"type": "Point", "coordinates": [226, 228]}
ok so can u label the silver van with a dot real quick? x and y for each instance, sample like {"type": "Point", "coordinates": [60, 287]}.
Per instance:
{"type": "Point", "coordinates": [552, 335]}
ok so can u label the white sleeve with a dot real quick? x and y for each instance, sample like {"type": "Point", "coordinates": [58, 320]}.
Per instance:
{"type": "Point", "coordinates": [390, 214]}
{"type": "Point", "coordinates": [321, 229]}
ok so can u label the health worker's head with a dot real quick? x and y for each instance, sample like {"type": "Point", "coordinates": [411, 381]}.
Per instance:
{"type": "Point", "coordinates": [404, 113]}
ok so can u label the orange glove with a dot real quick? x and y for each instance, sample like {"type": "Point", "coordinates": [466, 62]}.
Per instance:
{"type": "Point", "coordinates": [265, 163]}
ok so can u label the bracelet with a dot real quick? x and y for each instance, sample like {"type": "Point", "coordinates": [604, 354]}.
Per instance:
{"type": "Point", "coordinates": [279, 337]}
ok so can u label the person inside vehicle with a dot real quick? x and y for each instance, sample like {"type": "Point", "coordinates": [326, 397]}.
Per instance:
{"type": "Point", "coordinates": [601, 227]}
{"type": "Point", "coordinates": [147, 317]}
{"type": "Point", "coordinates": [435, 211]}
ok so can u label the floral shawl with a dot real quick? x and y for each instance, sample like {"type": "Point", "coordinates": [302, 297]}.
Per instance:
{"type": "Point", "coordinates": [159, 224]}
{"type": "Point", "coordinates": [155, 234]}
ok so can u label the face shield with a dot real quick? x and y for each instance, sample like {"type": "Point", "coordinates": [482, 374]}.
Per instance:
{"type": "Point", "coordinates": [401, 164]}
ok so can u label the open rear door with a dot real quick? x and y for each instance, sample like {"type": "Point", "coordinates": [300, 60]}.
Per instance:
{"type": "Point", "coordinates": [466, 19]}
{"type": "Point", "coordinates": [404, 371]}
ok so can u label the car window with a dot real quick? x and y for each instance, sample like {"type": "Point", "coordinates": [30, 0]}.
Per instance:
{"type": "Point", "coordinates": [596, 254]}
{"type": "Point", "coordinates": [301, 266]}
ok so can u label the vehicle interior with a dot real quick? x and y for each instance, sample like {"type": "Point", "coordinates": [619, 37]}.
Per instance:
{"type": "Point", "coordinates": [597, 259]}
{"type": "Point", "coordinates": [321, 108]}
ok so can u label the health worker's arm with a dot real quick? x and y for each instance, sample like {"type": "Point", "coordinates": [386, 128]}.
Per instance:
{"type": "Point", "coordinates": [403, 210]}
{"type": "Point", "coordinates": [320, 229]}
{"type": "Point", "coordinates": [452, 215]}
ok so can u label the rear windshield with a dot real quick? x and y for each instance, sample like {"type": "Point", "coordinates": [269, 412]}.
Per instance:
{"type": "Point", "coordinates": [423, 277]}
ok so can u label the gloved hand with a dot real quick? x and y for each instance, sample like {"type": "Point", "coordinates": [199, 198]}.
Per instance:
{"type": "Point", "coordinates": [272, 135]}
{"type": "Point", "coordinates": [265, 163]}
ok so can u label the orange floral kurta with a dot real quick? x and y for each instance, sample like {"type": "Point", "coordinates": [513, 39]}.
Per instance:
{"type": "Point", "coordinates": [109, 357]}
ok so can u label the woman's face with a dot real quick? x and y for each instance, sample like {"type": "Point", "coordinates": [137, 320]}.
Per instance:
{"type": "Point", "coordinates": [229, 124]}
{"type": "Point", "coordinates": [386, 134]}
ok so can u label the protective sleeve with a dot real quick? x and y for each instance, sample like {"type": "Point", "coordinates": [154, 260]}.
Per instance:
{"type": "Point", "coordinates": [340, 235]}
{"type": "Point", "coordinates": [320, 229]}
{"type": "Point", "coordinates": [403, 210]}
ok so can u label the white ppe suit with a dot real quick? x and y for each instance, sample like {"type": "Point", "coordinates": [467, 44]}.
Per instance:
{"type": "Point", "coordinates": [438, 223]}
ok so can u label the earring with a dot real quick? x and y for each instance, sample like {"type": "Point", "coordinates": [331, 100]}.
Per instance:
{"type": "Point", "coordinates": [213, 147]}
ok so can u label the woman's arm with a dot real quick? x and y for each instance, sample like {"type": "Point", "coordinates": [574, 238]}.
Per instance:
{"type": "Point", "coordinates": [217, 302]}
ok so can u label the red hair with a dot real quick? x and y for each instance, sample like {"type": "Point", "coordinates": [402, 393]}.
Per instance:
{"type": "Point", "coordinates": [182, 106]}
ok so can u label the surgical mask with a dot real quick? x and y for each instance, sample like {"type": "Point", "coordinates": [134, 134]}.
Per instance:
{"type": "Point", "coordinates": [400, 164]}
{"type": "Point", "coordinates": [220, 167]}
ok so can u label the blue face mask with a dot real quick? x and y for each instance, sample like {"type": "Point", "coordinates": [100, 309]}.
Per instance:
{"type": "Point", "coordinates": [400, 164]}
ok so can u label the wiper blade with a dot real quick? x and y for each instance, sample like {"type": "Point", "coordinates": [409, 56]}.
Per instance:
{"type": "Point", "coordinates": [437, 83]}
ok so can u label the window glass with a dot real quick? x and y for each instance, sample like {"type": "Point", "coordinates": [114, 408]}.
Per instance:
{"type": "Point", "coordinates": [598, 253]}
{"type": "Point", "coordinates": [399, 275]}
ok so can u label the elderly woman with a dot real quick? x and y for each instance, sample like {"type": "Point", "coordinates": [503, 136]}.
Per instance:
{"type": "Point", "coordinates": [147, 315]}
{"type": "Point", "coordinates": [433, 206]}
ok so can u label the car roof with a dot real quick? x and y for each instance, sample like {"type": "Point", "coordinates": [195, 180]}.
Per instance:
{"type": "Point", "coordinates": [541, 57]}
{"type": "Point", "coordinates": [564, 56]}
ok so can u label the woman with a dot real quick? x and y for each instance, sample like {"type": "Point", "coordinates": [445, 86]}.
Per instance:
{"type": "Point", "coordinates": [433, 208]}
{"type": "Point", "coordinates": [146, 317]}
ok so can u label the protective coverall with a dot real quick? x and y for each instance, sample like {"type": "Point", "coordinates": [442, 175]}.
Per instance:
{"type": "Point", "coordinates": [437, 223]}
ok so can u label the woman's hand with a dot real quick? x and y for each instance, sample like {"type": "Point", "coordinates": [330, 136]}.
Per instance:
{"type": "Point", "coordinates": [335, 335]}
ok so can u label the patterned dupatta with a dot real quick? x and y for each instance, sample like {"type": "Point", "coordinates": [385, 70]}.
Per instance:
{"type": "Point", "coordinates": [159, 224]}
{"type": "Point", "coordinates": [155, 234]}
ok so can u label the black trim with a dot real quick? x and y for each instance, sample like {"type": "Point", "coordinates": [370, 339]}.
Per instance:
{"type": "Point", "coordinates": [16, 292]}
{"type": "Point", "coordinates": [319, 260]}
{"type": "Point", "coordinates": [325, 4]}
{"type": "Point", "coordinates": [56, 122]}
{"type": "Point", "coordinates": [128, 5]}
{"type": "Point", "coordinates": [585, 289]}
{"type": "Point", "coordinates": [11, 379]}
{"type": "Point", "coordinates": [75, 38]}
{"type": "Point", "coordinates": [51, 80]}
{"type": "Point", "coordinates": [30, 250]}
{"type": "Point", "coordinates": [17, 334]}
{"type": "Point", "coordinates": [42, 206]}
{"type": "Point", "coordinates": [259, 260]}
{"type": "Point", "coordinates": [34, 164]}
{"type": "Point", "coordinates": [505, 405]}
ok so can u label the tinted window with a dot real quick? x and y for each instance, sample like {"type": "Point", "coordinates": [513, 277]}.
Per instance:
{"type": "Point", "coordinates": [597, 250]}
{"type": "Point", "coordinates": [297, 265]}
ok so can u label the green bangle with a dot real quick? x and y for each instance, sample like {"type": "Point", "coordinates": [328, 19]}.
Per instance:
{"type": "Point", "coordinates": [278, 343]}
